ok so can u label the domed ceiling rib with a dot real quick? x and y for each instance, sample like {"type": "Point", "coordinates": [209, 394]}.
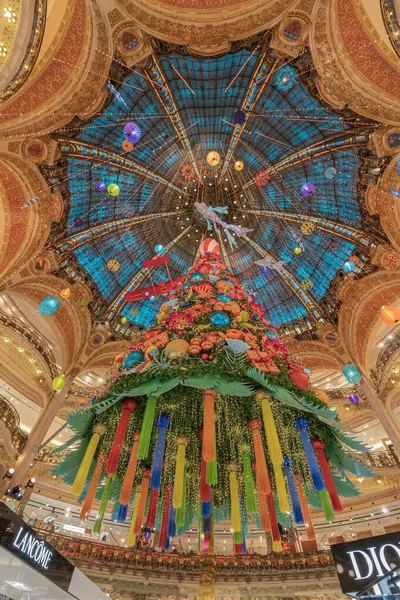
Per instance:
{"type": "Point", "coordinates": [162, 91]}
{"type": "Point", "coordinates": [90, 152]}
{"type": "Point", "coordinates": [118, 303]}
{"type": "Point", "coordinates": [346, 232]}
{"type": "Point", "coordinates": [93, 233]}
{"type": "Point", "coordinates": [305, 298]}
{"type": "Point", "coordinates": [185, 107]}
{"type": "Point", "coordinates": [259, 80]}
{"type": "Point", "coordinates": [333, 143]}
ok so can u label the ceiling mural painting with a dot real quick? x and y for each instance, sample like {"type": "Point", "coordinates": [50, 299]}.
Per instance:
{"type": "Point", "coordinates": [244, 134]}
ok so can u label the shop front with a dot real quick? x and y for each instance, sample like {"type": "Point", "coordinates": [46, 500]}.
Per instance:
{"type": "Point", "coordinates": [32, 569]}
{"type": "Point", "coordinates": [369, 568]}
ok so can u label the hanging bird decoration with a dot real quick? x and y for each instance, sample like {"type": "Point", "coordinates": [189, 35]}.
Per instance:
{"type": "Point", "coordinates": [214, 221]}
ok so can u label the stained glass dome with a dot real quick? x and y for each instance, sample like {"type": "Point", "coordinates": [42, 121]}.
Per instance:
{"type": "Point", "coordinates": [185, 108]}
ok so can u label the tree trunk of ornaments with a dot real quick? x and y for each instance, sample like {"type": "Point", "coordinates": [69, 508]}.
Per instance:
{"type": "Point", "coordinates": [212, 364]}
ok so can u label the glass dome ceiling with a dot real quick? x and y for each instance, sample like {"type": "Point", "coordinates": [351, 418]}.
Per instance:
{"type": "Point", "coordinates": [185, 108]}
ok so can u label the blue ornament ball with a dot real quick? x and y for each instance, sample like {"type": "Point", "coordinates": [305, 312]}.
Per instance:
{"type": "Point", "coordinates": [219, 319]}
{"type": "Point", "coordinates": [49, 306]}
{"type": "Point", "coordinates": [187, 286]}
{"type": "Point", "coordinates": [223, 297]}
{"type": "Point", "coordinates": [308, 371]}
{"type": "Point", "coordinates": [159, 249]}
{"type": "Point", "coordinates": [349, 267]}
{"type": "Point", "coordinates": [196, 277]}
{"type": "Point", "coordinates": [152, 298]}
{"type": "Point", "coordinates": [133, 358]}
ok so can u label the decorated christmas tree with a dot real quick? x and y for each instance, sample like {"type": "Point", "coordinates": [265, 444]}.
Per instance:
{"type": "Point", "coordinates": [207, 418]}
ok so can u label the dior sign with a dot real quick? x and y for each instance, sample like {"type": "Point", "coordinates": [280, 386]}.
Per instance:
{"type": "Point", "coordinates": [34, 548]}
{"type": "Point", "coordinates": [360, 564]}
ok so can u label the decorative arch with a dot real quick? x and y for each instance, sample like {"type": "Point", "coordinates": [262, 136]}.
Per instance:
{"type": "Point", "coordinates": [68, 78]}
{"type": "Point", "coordinates": [23, 231]}
{"type": "Point", "coordinates": [381, 200]}
{"type": "Point", "coordinates": [360, 312]}
{"type": "Point", "coordinates": [356, 67]}
{"type": "Point", "coordinates": [69, 327]}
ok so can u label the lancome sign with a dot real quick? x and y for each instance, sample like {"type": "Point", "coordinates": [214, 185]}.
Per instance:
{"type": "Point", "coordinates": [359, 564]}
{"type": "Point", "coordinates": [30, 547]}
{"type": "Point", "coordinates": [33, 547]}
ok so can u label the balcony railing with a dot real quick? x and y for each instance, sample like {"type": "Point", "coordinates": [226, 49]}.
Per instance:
{"type": "Point", "coordinates": [32, 336]}
{"type": "Point", "coordinates": [10, 417]}
{"type": "Point", "coordinates": [155, 563]}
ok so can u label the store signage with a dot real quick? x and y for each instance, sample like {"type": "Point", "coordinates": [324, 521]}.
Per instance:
{"type": "Point", "coordinates": [35, 549]}
{"type": "Point", "coordinates": [26, 544]}
{"type": "Point", "coordinates": [359, 564]}
{"type": "Point", "coordinates": [73, 528]}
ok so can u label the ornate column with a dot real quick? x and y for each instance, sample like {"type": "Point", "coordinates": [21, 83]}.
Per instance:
{"type": "Point", "coordinates": [385, 416]}
{"type": "Point", "coordinates": [38, 433]}
{"type": "Point", "coordinates": [330, 337]}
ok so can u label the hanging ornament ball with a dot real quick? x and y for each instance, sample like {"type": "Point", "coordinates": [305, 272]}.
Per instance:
{"type": "Point", "coordinates": [348, 267]}
{"type": "Point", "coordinates": [238, 165]}
{"type": "Point", "coordinates": [213, 158]}
{"type": "Point", "coordinates": [319, 325]}
{"type": "Point", "coordinates": [308, 371]}
{"type": "Point", "coordinates": [330, 173]}
{"type": "Point", "coordinates": [390, 315]}
{"type": "Point", "coordinates": [133, 358]}
{"type": "Point", "coordinates": [58, 383]}
{"type": "Point", "coordinates": [354, 399]}
{"type": "Point", "coordinates": [159, 249]}
{"type": "Point", "coordinates": [219, 319]}
{"type": "Point", "coordinates": [84, 302]}
{"type": "Point", "coordinates": [113, 189]}
{"type": "Point", "coordinates": [297, 250]}
{"type": "Point", "coordinates": [210, 245]}
{"type": "Point", "coordinates": [124, 320]}
{"type": "Point", "coordinates": [300, 379]}
{"type": "Point", "coordinates": [308, 189]}
{"type": "Point", "coordinates": [65, 293]}
{"type": "Point", "coordinates": [100, 186]}
{"type": "Point", "coordinates": [78, 222]}
{"type": "Point", "coordinates": [196, 276]}
{"type": "Point", "coordinates": [187, 171]}
{"type": "Point", "coordinates": [152, 298]}
{"type": "Point", "coordinates": [176, 348]}
{"type": "Point", "coordinates": [239, 117]}
{"type": "Point", "coordinates": [353, 259]}
{"type": "Point", "coordinates": [127, 146]}
{"type": "Point", "coordinates": [49, 305]}
{"type": "Point", "coordinates": [262, 178]}
{"type": "Point", "coordinates": [132, 133]}
{"type": "Point", "coordinates": [351, 373]}
{"type": "Point", "coordinates": [113, 265]}
{"type": "Point", "coordinates": [223, 298]}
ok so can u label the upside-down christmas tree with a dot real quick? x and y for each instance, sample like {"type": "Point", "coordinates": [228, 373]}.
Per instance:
{"type": "Point", "coordinates": [206, 418]}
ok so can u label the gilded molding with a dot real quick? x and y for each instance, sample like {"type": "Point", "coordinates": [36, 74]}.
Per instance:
{"type": "Point", "coordinates": [205, 29]}
{"type": "Point", "coordinates": [341, 83]}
